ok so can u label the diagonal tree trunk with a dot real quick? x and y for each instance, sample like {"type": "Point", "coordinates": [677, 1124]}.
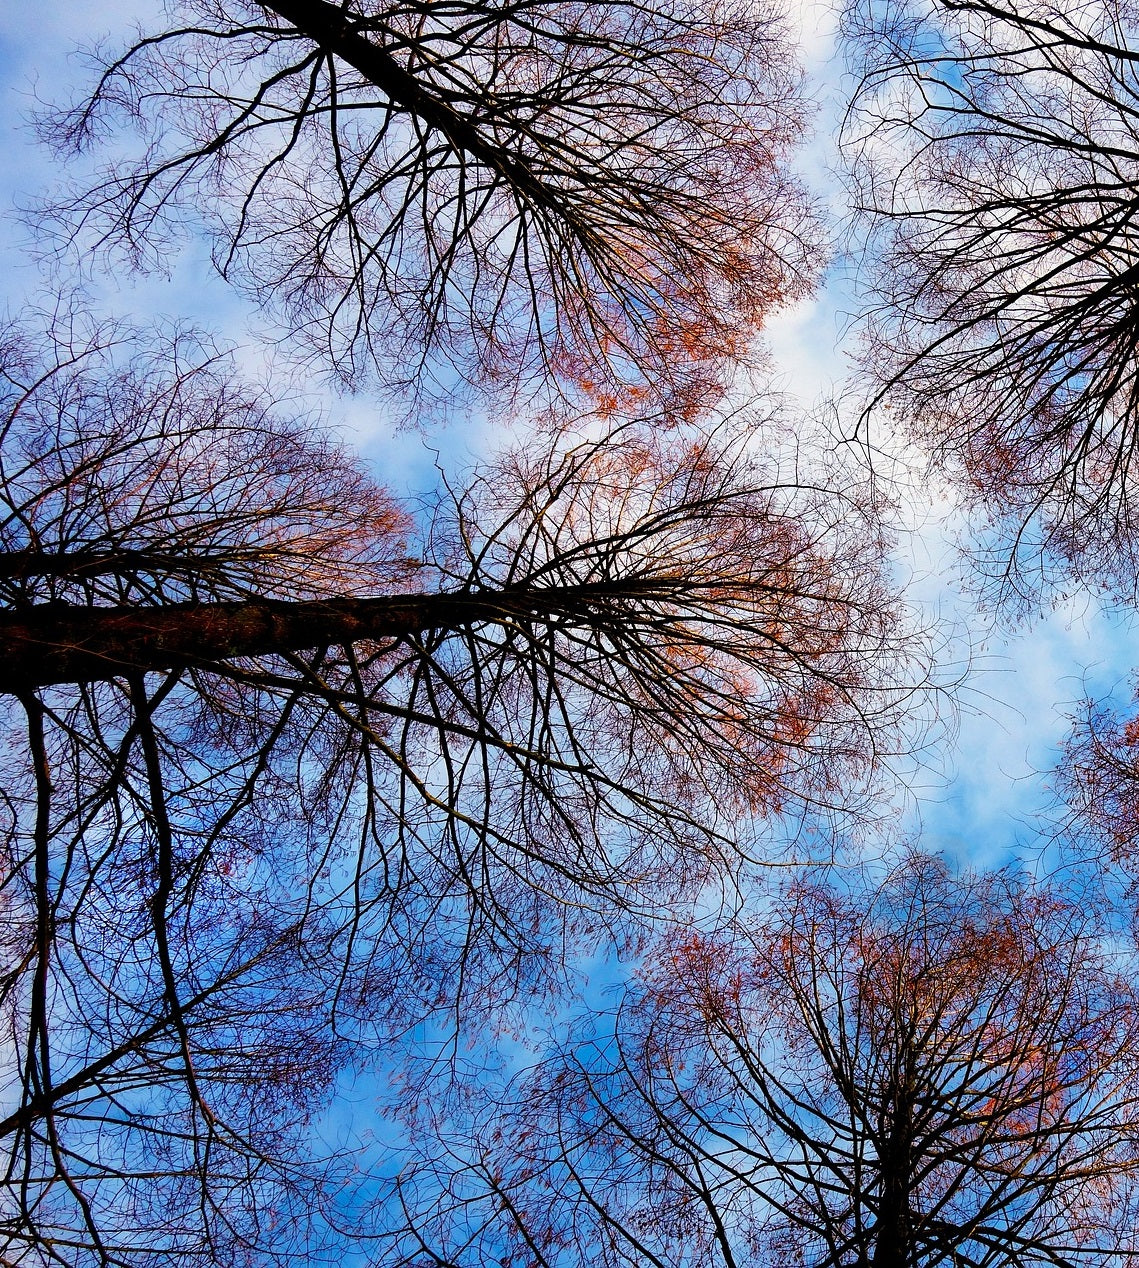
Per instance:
{"type": "Point", "coordinates": [333, 30]}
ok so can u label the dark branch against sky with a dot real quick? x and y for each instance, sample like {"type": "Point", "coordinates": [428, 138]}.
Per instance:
{"type": "Point", "coordinates": [311, 786]}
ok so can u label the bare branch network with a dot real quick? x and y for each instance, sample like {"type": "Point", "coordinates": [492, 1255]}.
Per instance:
{"type": "Point", "coordinates": [311, 797]}
{"type": "Point", "coordinates": [923, 1069]}
{"type": "Point", "coordinates": [448, 193]}
{"type": "Point", "coordinates": [996, 154]}
{"type": "Point", "coordinates": [289, 748]}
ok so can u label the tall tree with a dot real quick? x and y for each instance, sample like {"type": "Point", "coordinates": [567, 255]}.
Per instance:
{"type": "Point", "coordinates": [930, 1069]}
{"type": "Point", "coordinates": [282, 764]}
{"type": "Point", "coordinates": [593, 192]}
{"type": "Point", "coordinates": [997, 150]}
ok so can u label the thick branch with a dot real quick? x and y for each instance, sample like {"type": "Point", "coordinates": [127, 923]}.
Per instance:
{"type": "Point", "coordinates": [58, 643]}
{"type": "Point", "coordinates": [331, 28]}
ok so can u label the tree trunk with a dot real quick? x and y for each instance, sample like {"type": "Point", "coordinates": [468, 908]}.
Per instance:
{"type": "Point", "coordinates": [892, 1247]}
{"type": "Point", "coordinates": [58, 643]}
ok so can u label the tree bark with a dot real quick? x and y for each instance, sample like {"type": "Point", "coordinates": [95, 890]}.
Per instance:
{"type": "Point", "coordinates": [892, 1247]}
{"type": "Point", "coordinates": [330, 27]}
{"type": "Point", "coordinates": [64, 643]}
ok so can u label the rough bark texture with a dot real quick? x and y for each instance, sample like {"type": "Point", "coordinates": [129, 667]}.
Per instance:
{"type": "Point", "coordinates": [58, 643]}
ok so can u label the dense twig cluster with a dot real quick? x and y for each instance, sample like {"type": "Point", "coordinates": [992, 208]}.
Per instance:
{"type": "Point", "coordinates": [997, 155]}
{"type": "Point", "coordinates": [443, 193]}
{"type": "Point", "coordinates": [302, 785]}
{"type": "Point", "coordinates": [927, 1069]}
{"type": "Point", "coordinates": [1098, 780]}
{"type": "Point", "coordinates": [362, 768]}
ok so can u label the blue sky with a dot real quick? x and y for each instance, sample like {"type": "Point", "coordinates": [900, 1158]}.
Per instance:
{"type": "Point", "coordinates": [982, 796]}
{"type": "Point", "coordinates": [41, 62]}
{"type": "Point", "coordinates": [977, 798]}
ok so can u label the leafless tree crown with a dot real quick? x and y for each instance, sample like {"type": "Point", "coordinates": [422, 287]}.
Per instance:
{"type": "Point", "coordinates": [932, 1069]}
{"type": "Point", "coordinates": [289, 768]}
{"type": "Point", "coordinates": [451, 192]}
{"type": "Point", "coordinates": [996, 151]}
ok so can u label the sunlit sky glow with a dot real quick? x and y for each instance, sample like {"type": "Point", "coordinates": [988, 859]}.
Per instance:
{"type": "Point", "coordinates": [980, 795]}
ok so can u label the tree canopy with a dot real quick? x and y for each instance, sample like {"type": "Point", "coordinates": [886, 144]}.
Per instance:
{"type": "Point", "coordinates": [438, 194]}
{"type": "Point", "coordinates": [924, 1069]}
{"type": "Point", "coordinates": [316, 794]}
{"type": "Point", "coordinates": [287, 755]}
{"type": "Point", "coordinates": [994, 149]}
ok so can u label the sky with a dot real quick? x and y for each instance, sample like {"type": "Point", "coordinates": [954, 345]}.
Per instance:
{"type": "Point", "coordinates": [982, 799]}
{"type": "Point", "coordinates": [978, 796]}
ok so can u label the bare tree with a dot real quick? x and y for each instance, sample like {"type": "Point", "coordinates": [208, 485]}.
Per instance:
{"type": "Point", "coordinates": [286, 772]}
{"type": "Point", "coordinates": [1098, 780]}
{"type": "Point", "coordinates": [997, 152]}
{"type": "Point", "coordinates": [588, 191]}
{"type": "Point", "coordinates": [932, 1069]}
{"type": "Point", "coordinates": [168, 1057]}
